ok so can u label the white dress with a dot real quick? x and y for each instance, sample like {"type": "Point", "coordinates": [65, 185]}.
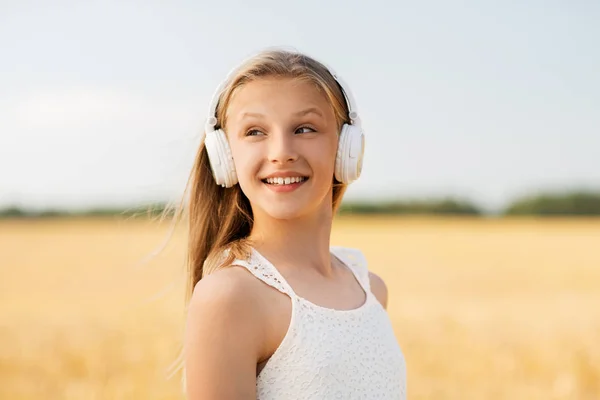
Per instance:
{"type": "Point", "coordinates": [331, 354]}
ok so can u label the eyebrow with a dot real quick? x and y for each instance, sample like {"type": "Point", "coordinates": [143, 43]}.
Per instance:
{"type": "Point", "coordinates": [310, 110]}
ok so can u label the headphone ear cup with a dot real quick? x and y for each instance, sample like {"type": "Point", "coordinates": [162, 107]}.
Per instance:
{"type": "Point", "coordinates": [221, 160]}
{"type": "Point", "coordinates": [349, 158]}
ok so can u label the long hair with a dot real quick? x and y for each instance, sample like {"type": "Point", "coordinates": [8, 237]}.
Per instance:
{"type": "Point", "coordinates": [220, 218]}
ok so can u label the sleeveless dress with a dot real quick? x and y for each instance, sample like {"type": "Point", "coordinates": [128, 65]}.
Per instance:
{"type": "Point", "coordinates": [327, 353]}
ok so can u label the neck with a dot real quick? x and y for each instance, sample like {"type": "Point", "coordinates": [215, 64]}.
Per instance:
{"type": "Point", "coordinates": [295, 243]}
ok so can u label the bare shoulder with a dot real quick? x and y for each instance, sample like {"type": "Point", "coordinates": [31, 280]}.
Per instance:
{"type": "Point", "coordinates": [226, 298]}
{"type": "Point", "coordinates": [223, 336]}
{"type": "Point", "coordinates": [379, 288]}
{"type": "Point", "coordinates": [225, 290]}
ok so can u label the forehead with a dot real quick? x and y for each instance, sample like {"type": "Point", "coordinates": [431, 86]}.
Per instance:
{"type": "Point", "coordinates": [277, 94]}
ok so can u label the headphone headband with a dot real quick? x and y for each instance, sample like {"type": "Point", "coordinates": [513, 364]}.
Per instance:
{"type": "Point", "coordinates": [211, 121]}
{"type": "Point", "coordinates": [352, 109]}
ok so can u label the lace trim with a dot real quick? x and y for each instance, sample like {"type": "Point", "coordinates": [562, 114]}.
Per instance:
{"type": "Point", "coordinates": [357, 262]}
{"type": "Point", "coordinates": [261, 268]}
{"type": "Point", "coordinates": [264, 270]}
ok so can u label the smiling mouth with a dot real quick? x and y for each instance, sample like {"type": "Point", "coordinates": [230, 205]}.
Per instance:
{"type": "Point", "coordinates": [284, 181]}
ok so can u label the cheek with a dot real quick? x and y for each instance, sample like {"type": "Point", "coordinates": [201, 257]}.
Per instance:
{"type": "Point", "coordinates": [323, 158]}
{"type": "Point", "coordinates": [245, 161]}
{"type": "Point", "coordinates": [331, 151]}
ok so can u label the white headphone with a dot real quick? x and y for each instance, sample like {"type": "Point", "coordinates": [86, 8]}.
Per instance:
{"type": "Point", "coordinates": [350, 151]}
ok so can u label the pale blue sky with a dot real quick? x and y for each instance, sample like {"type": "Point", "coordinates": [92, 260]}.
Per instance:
{"type": "Point", "coordinates": [102, 102]}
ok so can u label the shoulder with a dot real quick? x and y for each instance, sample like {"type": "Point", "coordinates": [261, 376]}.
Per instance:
{"type": "Point", "coordinates": [223, 335]}
{"type": "Point", "coordinates": [226, 294]}
{"type": "Point", "coordinates": [379, 288]}
{"type": "Point", "coordinates": [225, 305]}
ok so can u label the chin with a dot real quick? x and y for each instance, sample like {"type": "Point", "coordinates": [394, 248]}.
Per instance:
{"type": "Point", "coordinates": [285, 211]}
{"type": "Point", "coordinates": [295, 209]}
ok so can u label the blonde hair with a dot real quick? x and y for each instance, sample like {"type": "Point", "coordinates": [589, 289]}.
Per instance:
{"type": "Point", "coordinates": [220, 218]}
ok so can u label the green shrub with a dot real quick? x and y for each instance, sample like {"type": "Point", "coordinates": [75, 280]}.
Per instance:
{"type": "Point", "coordinates": [548, 204]}
{"type": "Point", "coordinates": [447, 206]}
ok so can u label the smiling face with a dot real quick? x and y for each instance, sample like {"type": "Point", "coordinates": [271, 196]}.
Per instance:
{"type": "Point", "coordinates": [283, 136]}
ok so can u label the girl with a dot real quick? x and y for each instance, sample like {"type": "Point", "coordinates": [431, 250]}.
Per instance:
{"type": "Point", "coordinates": [274, 312]}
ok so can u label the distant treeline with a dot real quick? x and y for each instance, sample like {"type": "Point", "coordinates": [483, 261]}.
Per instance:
{"type": "Point", "coordinates": [544, 204]}
{"type": "Point", "coordinates": [577, 203]}
{"type": "Point", "coordinates": [141, 211]}
{"type": "Point", "coordinates": [435, 207]}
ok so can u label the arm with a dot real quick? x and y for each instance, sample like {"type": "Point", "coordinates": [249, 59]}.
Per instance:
{"type": "Point", "coordinates": [379, 289]}
{"type": "Point", "coordinates": [222, 338]}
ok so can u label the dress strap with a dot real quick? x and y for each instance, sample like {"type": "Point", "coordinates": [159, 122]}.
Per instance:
{"type": "Point", "coordinates": [262, 268]}
{"type": "Point", "coordinates": [357, 262]}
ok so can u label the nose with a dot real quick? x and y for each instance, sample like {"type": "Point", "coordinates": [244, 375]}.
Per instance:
{"type": "Point", "coordinates": [282, 149]}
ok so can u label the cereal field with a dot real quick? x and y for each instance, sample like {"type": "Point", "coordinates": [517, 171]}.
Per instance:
{"type": "Point", "coordinates": [483, 308]}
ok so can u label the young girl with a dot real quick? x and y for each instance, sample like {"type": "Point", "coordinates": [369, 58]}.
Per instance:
{"type": "Point", "coordinates": [274, 312]}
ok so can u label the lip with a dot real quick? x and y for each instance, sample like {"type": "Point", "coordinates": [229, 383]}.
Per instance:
{"type": "Point", "coordinates": [284, 188]}
{"type": "Point", "coordinates": [284, 174]}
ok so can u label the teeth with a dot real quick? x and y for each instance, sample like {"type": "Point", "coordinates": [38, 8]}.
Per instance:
{"type": "Point", "coordinates": [284, 181]}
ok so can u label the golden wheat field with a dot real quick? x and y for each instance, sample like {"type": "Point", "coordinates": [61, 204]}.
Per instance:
{"type": "Point", "coordinates": [483, 308]}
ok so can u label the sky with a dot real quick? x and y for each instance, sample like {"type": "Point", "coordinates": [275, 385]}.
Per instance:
{"type": "Point", "coordinates": [102, 102]}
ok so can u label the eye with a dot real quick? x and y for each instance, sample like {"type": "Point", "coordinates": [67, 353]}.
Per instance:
{"type": "Point", "coordinates": [305, 129]}
{"type": "Point", "coordinates": [254, 132]}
